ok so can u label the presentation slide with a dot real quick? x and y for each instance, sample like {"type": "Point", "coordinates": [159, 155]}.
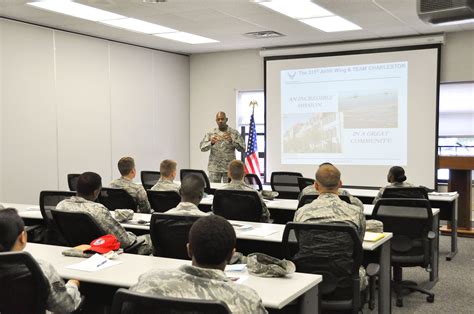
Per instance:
{"type": "Point", "coordinates": [354, 115]}
{"type": "Point", "coordinates": [362, 111]}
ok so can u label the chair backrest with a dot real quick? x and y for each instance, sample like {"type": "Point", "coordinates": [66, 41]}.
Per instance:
{"type": "Point", "coordinates": [23, 286]}
{"type": "Point", "coordinates": [201, 173]}
{"type": "Point", "coordinates": [410, 221]}
{"type": "Point", "coordinates": [72, 181]}
{"type": "Point", "coordinates": [48, 200]}
{"type": "Point", "coordinates": [286, 184]}
{"type": "Point", "coordinates": [161, 201]}
{"type": "Point", "coordinates": [149, 178]}
{"type": "Point", "coordinates": [308, 198]}
{"type": "Point", "coordinates": [333, 250]}
{"type": "Point", "coordinates": [304, 182]}
{"type": "Point", "coordinates": [77, 227]}
{"type": "Point", "coordinates": [116, 199]}
{"type": "Point", "coordinates": [406, 192]}
{"type": "Point", "coordinates": [237, 205]}
{"type": "Point", "coordinates": [254, 181]}
{"type": "Point", "coordinates": [126, 301]}
{"type": "Point", "coordinates": [169, 234]}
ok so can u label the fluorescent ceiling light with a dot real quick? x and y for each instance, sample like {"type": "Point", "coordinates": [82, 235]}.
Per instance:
{"type": "Point", "coordinates": [76, 9]}
{"type": "Point", "coordinates": [297, 9]}
{"type": "Point", "coordinates": [139, 26]}
{"type": "Point", "coordinates": [331, 24]}
{"type": "Point", "coordinates": [187, 38]}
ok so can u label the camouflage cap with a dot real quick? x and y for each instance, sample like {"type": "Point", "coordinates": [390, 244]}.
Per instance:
{"type": "Point", "coordinates": [267, 266]}
{"type": "Point", "coordinates": [122, 215]}
{"type": "Point", "coordinates": [374, 225]}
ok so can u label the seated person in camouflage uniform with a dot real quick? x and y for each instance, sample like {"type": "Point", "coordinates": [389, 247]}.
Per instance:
{"type": "Point", "coordinates": [89, 185]}
{"type": "Point", "coordinates": [397, 179]}
{"type": "Point", "coordinates": [236, 173]}
{"type": "Point", "coordinates": [311, 190]}
{"type": "Point", "coordinates": [126, 166]}
{"type": "Point", "coordinates": [62, 298]}
{"type": "Point", "coordinates": [167, 175]}
{"type": "Point", "coordinates": [329, 208]}
{"type": "Point", "coordinates": [191, 191]}
{"type": "Point", "coordinates": [211, 245]}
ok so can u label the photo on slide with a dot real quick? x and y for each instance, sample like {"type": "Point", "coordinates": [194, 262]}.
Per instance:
{"type": "Point", "coordinates": [370, 109]}
{"type": "Point", "coordinates": [318, 132]}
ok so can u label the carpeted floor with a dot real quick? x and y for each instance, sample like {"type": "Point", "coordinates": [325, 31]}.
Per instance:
{"type": "Point", "coordinates": [454, 292]}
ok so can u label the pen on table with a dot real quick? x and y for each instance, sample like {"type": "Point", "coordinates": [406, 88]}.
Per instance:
{"type": "Point", "coordinates": [101, 263]}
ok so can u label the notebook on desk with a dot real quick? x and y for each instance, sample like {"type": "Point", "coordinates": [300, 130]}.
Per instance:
{"type": "Point", "coordinates": [373, 236]}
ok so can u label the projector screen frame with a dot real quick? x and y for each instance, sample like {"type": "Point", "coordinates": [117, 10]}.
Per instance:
{"type": "Point", "coordinates": [358, 52]}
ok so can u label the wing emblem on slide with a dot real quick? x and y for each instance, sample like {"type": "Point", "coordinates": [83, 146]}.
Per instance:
{"type": "Point", "coordinates": [292, 75]}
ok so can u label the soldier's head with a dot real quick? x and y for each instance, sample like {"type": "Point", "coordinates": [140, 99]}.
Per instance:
{"type": "Point", "coordinates": [12, 231]}
{"type": "Point", "coordinates": [89, 185]}
{"type": "Point", "coordinates": [126, 166]}
{"type": "Point", "coordinates": [328, 179]}
{"type": "Point", "coordinates": [168, 169]}
{"type": "Point", "coordinates": [192, 189]}
{"type": "Point", "coordinates": [236, 170]}
{"type": "Point", "coordinates": [211, 242]}
{"type": "Point", "coordinates": [221, 120]}
{"type": "Point", "coordinates": [396, 174]}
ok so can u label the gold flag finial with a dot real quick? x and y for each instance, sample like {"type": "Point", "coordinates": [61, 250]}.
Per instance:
{"type": "Point", "coordinates": [253, 104]}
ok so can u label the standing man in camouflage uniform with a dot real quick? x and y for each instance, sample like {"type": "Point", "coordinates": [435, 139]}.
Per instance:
{"type": "Point", "coordinates": [167, 175]}
{"type": "Point", "coordinates": [191, 191]}
{"type": "Point", "coordinates": [222, 141]}
{"type": "Point", "coordinates": [211, 245]}
{"type": "Point", "coordinates": [89, 185]}
{"type": "Point", "coordinates": [126, 166]}
{"type": "Point", "coordinates": [236, 172]}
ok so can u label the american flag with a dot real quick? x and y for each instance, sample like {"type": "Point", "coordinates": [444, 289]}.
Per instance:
{"type": "Point", "coordinates": [251, 155]}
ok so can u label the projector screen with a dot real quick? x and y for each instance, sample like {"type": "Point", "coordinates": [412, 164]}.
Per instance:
{"type": "Point", "coordinates": [362, 111]}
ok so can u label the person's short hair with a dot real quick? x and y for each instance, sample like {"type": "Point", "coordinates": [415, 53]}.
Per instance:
{"type": "Point", "coordinates": [236, 170]}
{"type": "Point", "coordinates": [398, 174]}
{"type": "Point", "coordinates": [192, 187]}
{"type": "Point", "coordinates": [212, 239]}
{"type": "Point", "coordinates": [167, 166]}
{"type": "Point", "coordinates": [328, 176]}
{"type": "Point", "coordinates": [11, 226]}
{"type": "Point", "coordinates": [125, 165]}
{"type": "Point", "coordinates": [88, 182]}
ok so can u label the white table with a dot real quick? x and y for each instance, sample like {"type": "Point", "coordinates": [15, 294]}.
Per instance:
{"type": "Point", "coordinates": [126, 274]}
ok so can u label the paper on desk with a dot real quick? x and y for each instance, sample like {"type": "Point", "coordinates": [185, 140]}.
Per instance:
{"type": "Point", "coordinates": [235, 267]}
{"type": "Point", "coordinates": [373, 236]}
{"type": "Point", "coordinates": [241, 226]}
{"type": "Point", "coordinates": [33, 208]}
{"type": "Point", "coordinates": [259, 232]}
{"type": "Point", "coordinates": [94, 263]}
{"type": "Point", "coordinates": [443, 193]}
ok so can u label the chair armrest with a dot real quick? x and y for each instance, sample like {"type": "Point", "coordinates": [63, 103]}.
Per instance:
{"type": "Point", "coordinates": [372, 269]}
{"type": "Point", "coordinates": [431, 235]}
{"type": "Point", "coordinates": [134, 246]}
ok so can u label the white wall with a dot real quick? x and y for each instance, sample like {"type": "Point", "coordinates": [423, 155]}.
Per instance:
{"type": "Point", "coordinates": [455, 124]}
{"type": "Point", "coordinates": [457, 57]}
{"type": "Point", "coordinates": [73, 103]}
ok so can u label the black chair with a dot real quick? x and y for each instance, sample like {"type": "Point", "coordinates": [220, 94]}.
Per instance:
{"type": "Point", "coordinates": [169, 234]}
{"type": "Point", "coordinates": [254, 181]}
{"type": "Point", "coordinates": [304, 182]}
{"type": "Point", "coordinates": [23, 286]}
{"type": "Point", "coordinates": [126, 301]}
{"type": "Point", "coordinates": [72, 181]}
{"type": "Point", "coordinates": [308, 198]}
{"type": "Point", "coordinates": [334, 251]}
{"type": "Point", "coordinates": [81, 228]}
{"type": "Point", "coordinates": [411, 221]}
{"type": "Point", "coordinates": [201, 173]}
{"type": "Point", "coordinates": [149, 178]}
{"type": "Point", "coordinates": [161, 201]}
{"type": "Point", "coordinates": [408, 192]}
{"type": "Point", "coordinates": [116, 199]}
{"type": "Point", "coordinates": [286, 184]}
{"type": "Point", "coordinates": [48, 200]}
{"type": "Point", "coordinates": [237, 205]}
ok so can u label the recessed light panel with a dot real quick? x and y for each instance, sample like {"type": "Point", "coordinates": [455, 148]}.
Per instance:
{"type": "Point", "coordinates": [139, 26]}
{"type": "Point", "coordinates": [331, 24]}
{"type": "Point", "coordinates": [297, 9]}
{"type": "Point", "coordinates": [187, 38]}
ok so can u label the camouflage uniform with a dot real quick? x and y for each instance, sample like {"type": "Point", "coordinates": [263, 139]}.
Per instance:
{"type": "Point", "coordinates": [136, 191]}
{"type": "Point", "coordinates": [242, 186]}
{"type": "Point", "coordinates": [392, 185]}
{"type": "Point", "coordinates": [222, 152]}
{"type": "Point", "coordinates": [311, 190]}
{"type": "Point", "coordinates": [200, 283]}
{"type": "Point", "coordinates": [186, 208]}
{"type": "Point", "coordinates": [329, 208]}
{"type": "Point", "coordinates": [105, 220]}
{"type": "Point", "coordinates": [165, 185]}
{"type": "Point", "coordinates": [62, 298]}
